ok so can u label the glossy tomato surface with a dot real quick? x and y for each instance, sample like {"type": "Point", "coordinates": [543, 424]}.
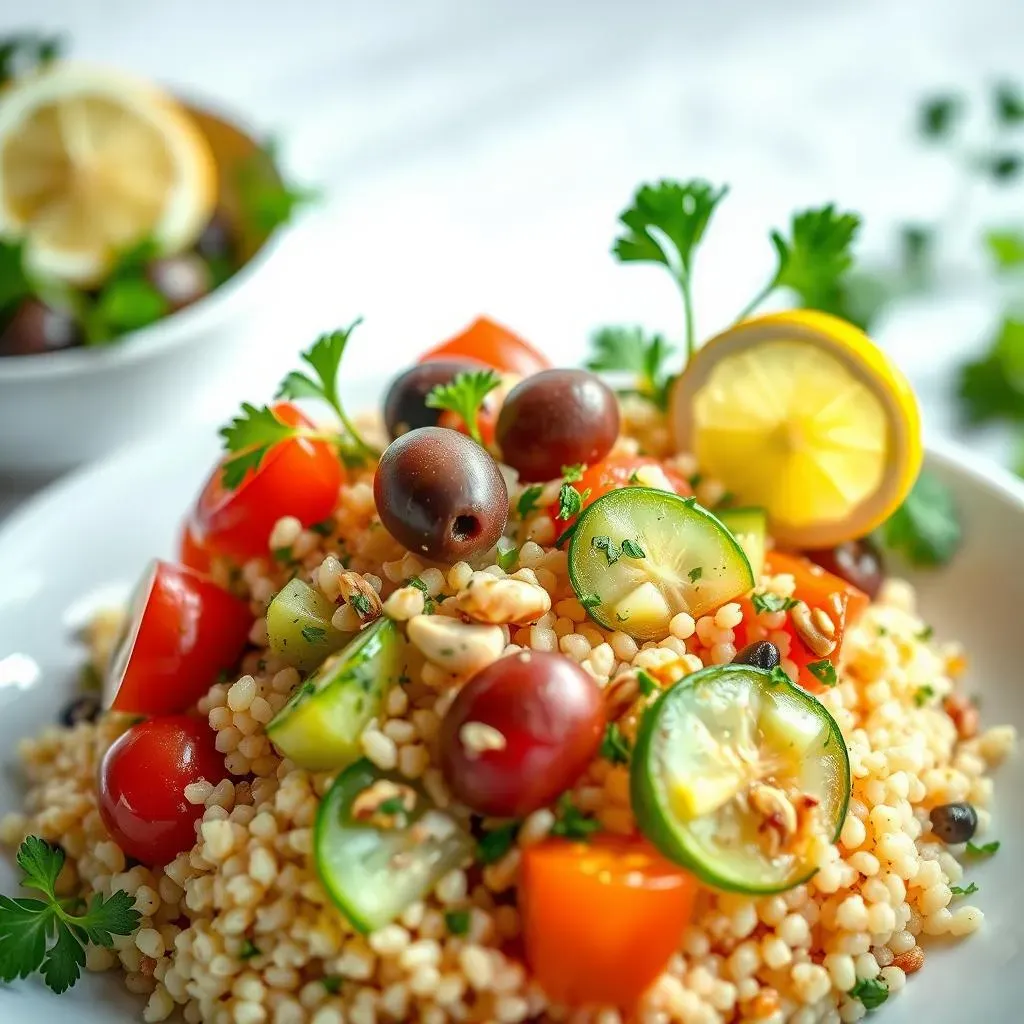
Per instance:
{"type": "Point", "coordinates": [183, 631]}
{"type": "Point", "coordinates": [299, 477]}
{"type": "Point", "coordinates": [142, 783]}
{"type": "Point", "coordinates": [493, 345]}
{"type": "Point", "coordinates": [550, 716]}
{"type": "Point", "coordinates": [601, 919]}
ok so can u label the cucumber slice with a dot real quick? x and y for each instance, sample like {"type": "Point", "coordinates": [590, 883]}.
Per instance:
{"type": "Point", "coordinates": [320, 726]}
{"type": "Point", "coordinates": [299, 625]}
{"type": "Point", "coordinates": [750, 527]}
{"type": "Point", "coordinates": [640, 555]}
{"type": "Point", "coordinates": [722, 768]}
{"type": "Point", "coordinates": [375, 862]}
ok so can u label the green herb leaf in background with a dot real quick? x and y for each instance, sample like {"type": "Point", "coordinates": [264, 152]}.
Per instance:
{"type": "Point", "coordinates": [938, 115]}
{"type": "Point", "coordinates": [992, 386]}
{"type": "Point", "coordinates": [14, 285]}
{"type": "Point", "coordinates": [267, 201]}
{"type": "Point", "coordinates": [1005, 247]}
{"type": "Point", "coordinates": [25, 52]}
{"type": "Point", "coordinates": [629, 349]}
{"type": "Point", "coordinates": [925, 529]}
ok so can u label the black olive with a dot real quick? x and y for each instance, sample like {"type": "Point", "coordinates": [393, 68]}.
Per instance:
{"type": "Point", "coordinates": [181, 279]}
{"type": "Point", "coordinates": [557, 418]}
{"type": "Point", "coordinates": [440, 494]}
{"type": "Point", "coordinates": [36, 328]}
{"type": "Point", "coordinates": [82, 709]}
{"type": "Point", "coordinates": [857, 561]}
{"type": "Point", "coordinates": [217, 242]}
{"type": "Point", "coordinates": [405, 406]}
{"type": "Point", "coordinates": [761, 654]}
{"type": "Point", "coordinates": [954, 823]}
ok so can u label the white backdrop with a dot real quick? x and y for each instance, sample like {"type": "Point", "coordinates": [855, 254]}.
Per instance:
{"type": "Point", "coordinates": [474, 155]}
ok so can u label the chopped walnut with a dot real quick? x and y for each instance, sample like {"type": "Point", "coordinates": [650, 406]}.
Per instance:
{"type": "Point", "coordinates": [384, 804]}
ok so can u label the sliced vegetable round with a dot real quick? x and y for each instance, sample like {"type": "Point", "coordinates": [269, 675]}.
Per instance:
{"type": "Point", "coordinates": [320, 726]}
{"type": "Point", "coordinates": [299, 625]}
{"type": "Point", "coordinates": [181, 632]}
{"type": "Point", "coordinates": [739, 775]}
{"type": "Point", "coordinates": [381, 844]}
{"type": "Point", "coordinates": [640, 555]}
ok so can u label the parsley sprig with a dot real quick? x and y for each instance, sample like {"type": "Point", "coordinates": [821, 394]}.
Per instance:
{"type": "Point", "coordinates": [44, 935]}
{"type": "Point", "coordinates": [252, 433]}
{"type": "Point", "coordinates": [464, 395]}
{"type": "Point", "coordinates": [629, 349]}
{"type": "Point", "coordinates": [925, 529]}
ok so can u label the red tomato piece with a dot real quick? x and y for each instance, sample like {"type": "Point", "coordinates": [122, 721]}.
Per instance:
{"type": "Point", "coordinates": [601, 919]}
{"type": "Point", "coordinates": [611, 474]}
{"type": "Point", "coordinates": [299, 477]}
{"type": "Point", "coordinates": [183, 631]}
{"type": "Point", "coordinates": [191, 552]}
{"type": "Point", "coordinates": [493, 345]}
{"type": "Point", "coordinates": [142, 784]}
{"type": "Point", "coordinates": [486, 422]}
{"type": "Point", "coordinates": [841, 601]}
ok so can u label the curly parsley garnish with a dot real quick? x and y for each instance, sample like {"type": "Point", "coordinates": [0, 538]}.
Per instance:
{"type": "Point", "coordinates": [44, 935]}
{"type": "Point", "coordinates": [464, 395]}
{"type": "Point", "coordinates": [571, 822]}
{"type": "Point", "coordinates": [872, 992]}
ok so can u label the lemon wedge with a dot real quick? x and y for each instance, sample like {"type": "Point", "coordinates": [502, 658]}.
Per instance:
{"type": "Point", "coordinates": [801, 414]}
{"type": "Point", "coordinates": [92, 161]}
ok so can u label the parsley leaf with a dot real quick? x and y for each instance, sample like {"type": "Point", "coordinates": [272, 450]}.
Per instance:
{"type": "Point", "coordinates": [574, 474]}
{"type": "Point", "coordinates": [695, 573]}
{"type": "Point", "coordinates": [314, 634]}
{"type": "Point", "coordinates": [571, 822]}
{"type": "Point", "coordinates": [324, 359]}
{"type": "Point", "coordinates": [250, 435]}
{"type": "Point", "coordinates": [985, 850]}
{"type": "Point", "coordinates": [361, 603]}
{"type": "Point", "coordinates": [457, 921]}
{"type": "Point", "coordinates": [528, 500]}
{"type": "Point", "coordinates": [814, 259]}
{"type": "Point", "coordinates": [627, 349]}
{"type": "Point", "coordinates": [603, 543]}
{"type": "Point", "coordinates": [632, 549]}
{"type": "Point", "coordinates": [508, 554]}
{"type": "Point", "coordinates": [960, 890]}
{"type": "Point", "coordinates": [570, 501]}
{"type": "Point", "coordinates": [25, 52]}
{"type": "Point", "coordinates": [14, 285]}
{"type": "Point", "coordinates": [615, 747]}
{"type": "Point", "coordinates": [333, 983]}
{"type": "Point", "coordinates": [992, 386]}
{"type": "Point", "coordinates": [769, 602]}
{"type": "Point", "coordinates": [646, 684]}
{"type": "Point", "coordinates": [824, 671]}
{"type": "Point", "coordinates": [938, 115]}
{"type": "Point", "coordinates": [463, 395]}
{"type": "Point", "coordinates": [28, 925]}
{"type": "Point", "coordinates": [590, 600]}
{"type": "Point", "coordinates": [1008, 101]}
{"type": "Point", "coordinates": [496, 843]}
{"type": "Point", "coordinates": [923, 694]}
{"type": "Point", "coordinates": [249, 950]}
{"type": "Point", "coordinates": [665, 224]}
{"type": "Point", "coordinates": [872, 992]}
{"type": "Point", "coordinates": [266, 201]}
{"type": "Point", "coordinates": [925, 528]}
{"type": "Point", "coordinates": [1005, 247]}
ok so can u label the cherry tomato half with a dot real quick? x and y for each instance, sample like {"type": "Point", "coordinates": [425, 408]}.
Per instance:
{"type": "Point", "coordinates": [601, 919]}
{"type": "Point", "coordinates": [298, 477]}
{"type": "Point", "coordinates": [841, 601]}
{"type": "Point", "coordinates": [183, 630]}
{"type": "Point", "coordinates": [492, 345]}
{"type": "Point", "coordinates": [191, 552]}
{"type": "Point", "coordinates": [611, 474]}
{"type": "Point", "coordinates": [142, 784]}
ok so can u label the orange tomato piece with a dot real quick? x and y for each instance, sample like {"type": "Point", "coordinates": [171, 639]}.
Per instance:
{"type": "Point", "coordinates": [601, 919]}
{"type": "Point", "coordinates": [493, 345]}
{"type": "Point", "coordinates": [841, 601]}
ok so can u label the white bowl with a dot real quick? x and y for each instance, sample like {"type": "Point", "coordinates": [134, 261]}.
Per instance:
{"type": "Point", "coordinates": [90, 535]}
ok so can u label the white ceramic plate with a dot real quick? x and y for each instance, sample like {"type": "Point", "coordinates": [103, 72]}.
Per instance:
{"type": "Point", "coordinates": [91, 535]}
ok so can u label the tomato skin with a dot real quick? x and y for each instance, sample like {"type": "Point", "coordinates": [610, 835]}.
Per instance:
{"type": "Point", "coordinates": [601, 919]}
{"type": "Point", "coordinates": [191, 553]}
{"type": "Point", "coordinates": [491, 344]}
{"type": "Point", "coordinates": [298, 477]}
{"type": "Point", "coordinates": [816, 587]}
{"type": "Point", "coordinates": [184, 630]}
{"type": "Point", "coordinates": [486, 423]}
{"type": "Point", "coordinates": [142, 779]}
{"type": "Point", "coordinates": [609, 475]}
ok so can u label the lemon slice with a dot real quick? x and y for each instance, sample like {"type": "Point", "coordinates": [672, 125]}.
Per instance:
{"type": "Point", "coordinates": [800, 413]}
{"type": "Point", "coordinates": [92, 161]}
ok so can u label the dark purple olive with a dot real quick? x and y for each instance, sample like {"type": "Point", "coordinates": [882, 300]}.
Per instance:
{"type": "Point", "coordinates": [181, 279]}
{"type": "Point", "coordinates": [36, 328]}
{"type": "Point", "coordinates": [954, 823]}
{"type": "Point", "coordinates": [405, 406]}
{"type": "Point", "coordinates": [440, 494]}
{"type": "Point", "coordinates": [82, 709]}
{"type": "Point", "coordinates": [557, 418]}
{"type": "Point", "coordinates": [761, 654]}
{"type": "Point", "coordinates": [857, 561]}
{"type": "Point", "coordinates": [217, 242]}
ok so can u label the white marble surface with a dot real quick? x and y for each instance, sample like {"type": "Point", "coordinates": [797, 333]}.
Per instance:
{"type": "Point", "coordinates": [474, 154]}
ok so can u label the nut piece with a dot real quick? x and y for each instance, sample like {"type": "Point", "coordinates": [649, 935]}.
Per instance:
{"type": "Point", "coordinates": [460, 648]}
{"type": "Point", "coordinates": [820, 642]}
{"type": "Point", "coordinates": [354, 591]}
{"type": "Point", "coordinates": [478, 737]}
{"type": "Point", "coordinates": [499, 601]}
{"type": "Point", "coordinates": [911, 961]}
{"type": "Point", "coordinates": [384, 804]}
